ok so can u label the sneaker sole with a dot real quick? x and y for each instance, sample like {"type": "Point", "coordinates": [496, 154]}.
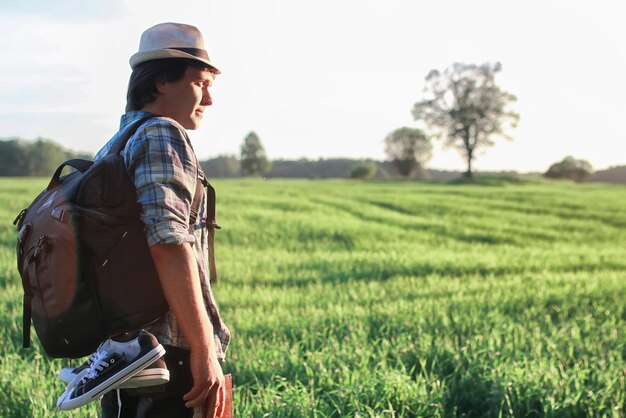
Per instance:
{"type": "Point", "coordinates": [146, 377]}
{"type": "Point", "coordinates": [113, 381]}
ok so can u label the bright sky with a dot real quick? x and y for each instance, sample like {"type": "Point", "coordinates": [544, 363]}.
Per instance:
{"type": "Point", "coordinates": [326, 78]}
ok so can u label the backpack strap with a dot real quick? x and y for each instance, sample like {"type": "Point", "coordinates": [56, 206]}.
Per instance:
{"type": "Point", "coordinates": [202, 183]}
{"type": "Point", "coordinates": [211, 226]}
{"type": "Point", "coordinates": [26, 312]}
{"type": "Point", "coordinates": [197, 198]}
{"type": "Point", "coordinates": [80, 165]}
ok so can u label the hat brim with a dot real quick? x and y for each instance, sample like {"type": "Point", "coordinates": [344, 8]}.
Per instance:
{"type": "Point", "coordinates": [158, 54]}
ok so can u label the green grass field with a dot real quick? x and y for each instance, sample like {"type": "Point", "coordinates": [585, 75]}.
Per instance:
{"type": "Point", "coordinates": [394, 299]}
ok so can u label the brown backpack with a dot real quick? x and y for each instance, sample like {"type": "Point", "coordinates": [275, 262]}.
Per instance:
{"type": "Point", "coordinates": [86, 268]}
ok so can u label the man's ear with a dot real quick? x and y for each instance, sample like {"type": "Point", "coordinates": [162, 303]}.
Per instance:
{"type": "Point", "coordinates": [161, 87]}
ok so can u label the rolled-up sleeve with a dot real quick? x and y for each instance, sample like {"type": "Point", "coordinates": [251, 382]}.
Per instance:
{"type": "Point", "coordinates": [165, 172]}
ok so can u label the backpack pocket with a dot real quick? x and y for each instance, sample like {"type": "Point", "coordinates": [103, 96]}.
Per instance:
{"type": "Point", "coordinates": [128, 284]}
{"type": "Point", "coordinates": [124, 275]}
{"type": "Point", "coordinates": [64, 310]}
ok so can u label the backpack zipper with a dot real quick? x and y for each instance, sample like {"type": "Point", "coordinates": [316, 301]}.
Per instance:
{"type": "Point", "coordinates": [42, 242]}
{"type": "Point", "coordinates": [104, 263]}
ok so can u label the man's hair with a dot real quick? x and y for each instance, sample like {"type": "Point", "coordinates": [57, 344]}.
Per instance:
{"type": "Point", "coordinates": [145, 77]}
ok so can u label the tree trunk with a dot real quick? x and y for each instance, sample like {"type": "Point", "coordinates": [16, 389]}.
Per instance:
{"type": "Point", "coordinates": [469, 174]}
{"type": "Point", "coordinates": [469, 151]}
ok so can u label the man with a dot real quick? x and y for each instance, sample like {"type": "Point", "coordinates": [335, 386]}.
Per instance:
{"type": "Point", "coordinates": [171, 78]}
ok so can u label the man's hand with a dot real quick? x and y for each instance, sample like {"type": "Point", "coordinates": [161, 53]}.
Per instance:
{"type": "Point", "coordinates": [209, 388]}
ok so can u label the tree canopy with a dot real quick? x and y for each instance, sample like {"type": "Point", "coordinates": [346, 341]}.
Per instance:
{"type": "Point", "coordinates": [254, 161]}
{"type": "Point", "coordinates": [464, 106]}
{"type": "Point", "coordinates": [408, 149]}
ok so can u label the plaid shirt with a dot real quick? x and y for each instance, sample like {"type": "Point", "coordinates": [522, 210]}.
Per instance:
{"type": "Point", "coordinates": [163, 164]}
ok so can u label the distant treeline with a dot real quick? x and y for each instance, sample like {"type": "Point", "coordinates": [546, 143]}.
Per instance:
{"type": "Point", "coordinates": [19, 157]}
{"type": "Point", "coordinates": [41, 157]}
{"type": "Point", "coordinates": [611, 175]}
{"type": "Point", "coordinates": [228, 166]}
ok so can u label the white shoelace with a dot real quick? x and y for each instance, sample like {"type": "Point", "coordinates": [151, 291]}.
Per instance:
{"type": "Point", "coordinates": [99, 364]}
{"type": "Point", "coordinates": [119, 403]}
{"type": "Point", "coordinates": [91, 359]}
{"type": "Point", "coordinates": [91, 372]}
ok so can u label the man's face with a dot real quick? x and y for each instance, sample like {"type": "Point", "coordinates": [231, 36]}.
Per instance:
{"type": "Point", "coordinates": [185, 100]}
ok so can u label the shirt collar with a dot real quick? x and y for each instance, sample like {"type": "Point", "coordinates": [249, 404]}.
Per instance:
{"type": "Point", "coordinates": [132, 116]}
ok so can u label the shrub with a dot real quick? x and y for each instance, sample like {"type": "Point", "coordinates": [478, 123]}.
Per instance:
{"type": "Point", "coordinates": [570, 168]}
{"type": "Point", "coordinates": [363, 171]}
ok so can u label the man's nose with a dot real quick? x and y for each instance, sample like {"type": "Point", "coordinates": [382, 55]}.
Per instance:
{"type": "Point", "coordinates": [207, 100]}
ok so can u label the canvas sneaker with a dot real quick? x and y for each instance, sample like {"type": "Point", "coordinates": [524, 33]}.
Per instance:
{"type": "Point", "coordinates": [112, 364]}
{"type": "Point", "coordinates": [155, 374]}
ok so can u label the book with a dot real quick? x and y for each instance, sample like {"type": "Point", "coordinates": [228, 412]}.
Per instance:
{"type": "Point", "coordinates": [228, 407]}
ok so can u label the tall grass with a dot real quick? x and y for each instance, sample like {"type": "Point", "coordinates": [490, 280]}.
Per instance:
{"type": "Point", "coordinates": [395, 300]}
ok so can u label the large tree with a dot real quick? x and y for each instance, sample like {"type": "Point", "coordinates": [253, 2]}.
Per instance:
{"type": "Point", "coordinates": [464, 106]}
{"type": "Point", "coordinates": [254, 161]}
{"type": "Point", "coordinates": [408, 149]}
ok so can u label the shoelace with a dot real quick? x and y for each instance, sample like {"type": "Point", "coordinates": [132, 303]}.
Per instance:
{"type": "Point", "coordinates": [91, 358]}
{"type": "Point", "coordinates": [99, 363]}
{"type": "Point", "coordinates": [119, 403]}
{"type": "Point", "coordinates": [89, 362]}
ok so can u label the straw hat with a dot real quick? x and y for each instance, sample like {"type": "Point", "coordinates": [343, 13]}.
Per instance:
{"type": "Point", "coordinates": [171, 40]}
